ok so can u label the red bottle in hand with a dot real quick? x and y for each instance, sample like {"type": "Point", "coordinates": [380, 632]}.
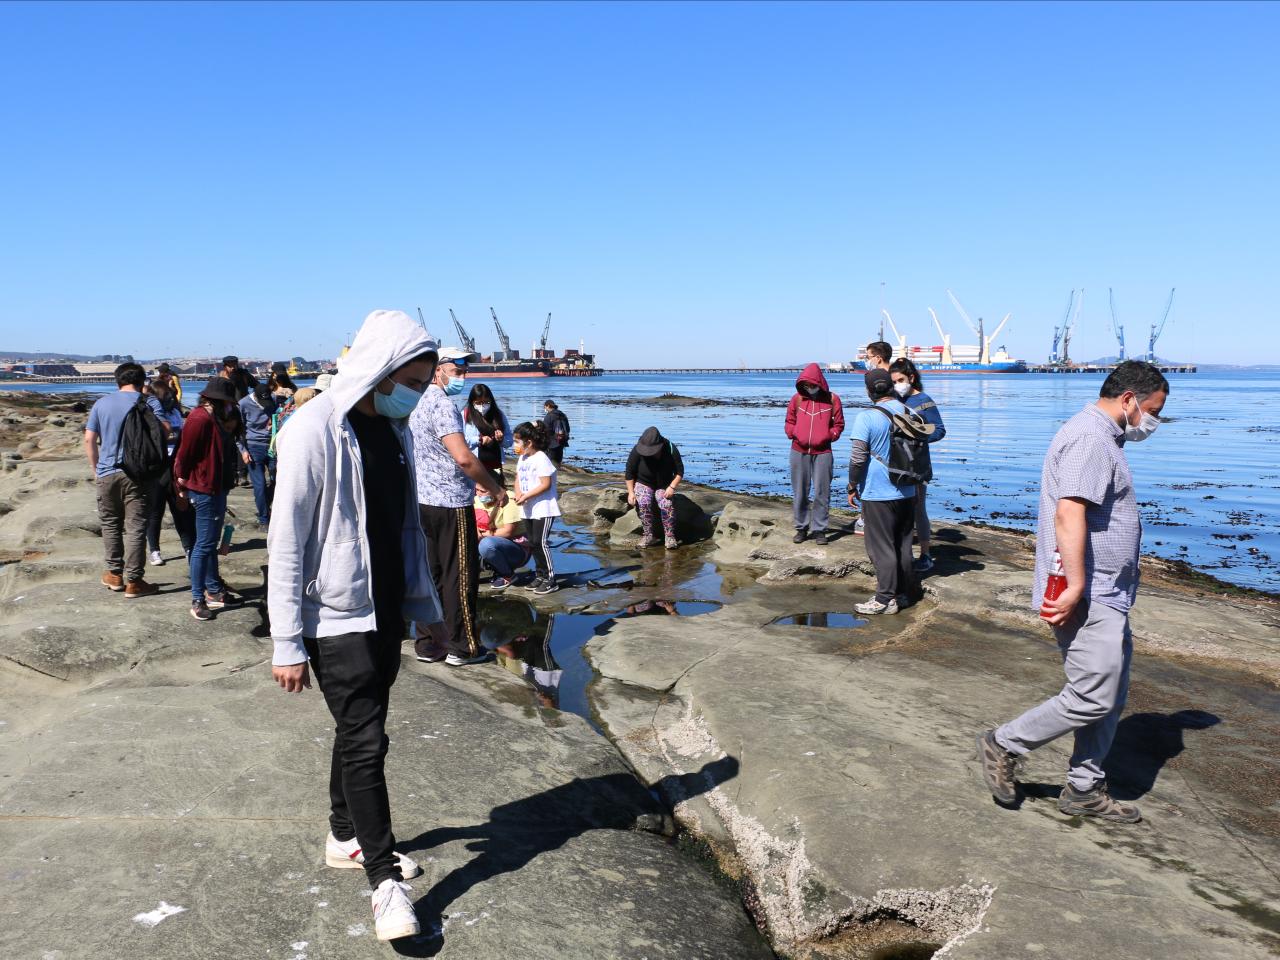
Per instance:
{"type": "Point", "coordinates": [1057, 583]}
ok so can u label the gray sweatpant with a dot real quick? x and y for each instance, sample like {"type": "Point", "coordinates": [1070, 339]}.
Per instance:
{"type": "Point", "coordinates": [1096, 651]}
{"type": "Point", "coordinates": [123, 507]}
{"type": "Point", "coordinates": [807, 469]}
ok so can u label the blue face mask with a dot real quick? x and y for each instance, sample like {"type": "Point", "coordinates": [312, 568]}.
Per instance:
{"type": "Point", "coordinates": [397, 404]}
{"type": "Point", "coordinates": [455, 386]}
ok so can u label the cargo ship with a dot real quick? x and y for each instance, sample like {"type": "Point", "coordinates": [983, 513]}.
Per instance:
{"type": "Point", "coordinates": [948, 358]}
{"type": "Point", "coordinates": [507, 362]}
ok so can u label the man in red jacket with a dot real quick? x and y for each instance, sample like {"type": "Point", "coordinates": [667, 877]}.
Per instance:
{"type": "Point", "coordinates": [815, 421]}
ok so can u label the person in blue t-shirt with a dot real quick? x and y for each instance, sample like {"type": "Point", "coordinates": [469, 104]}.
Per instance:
{"type": "Point", "coordinates": [910, 390]}
{"type": "Point", "coordinates": [123, 505]}
{"type": "Point", "coordinates": [888, 510]}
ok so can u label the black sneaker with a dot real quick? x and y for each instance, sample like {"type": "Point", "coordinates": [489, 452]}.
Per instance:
{"type": "Point", "coordinates": [454, 660]}
{"type": "Point", "coordinates": [821, 539]}
{"type": "Point", "coordinates": [542, 587]}
{"type": "Point", "coordinates": [800, 537]}
{"type": "Point", "coordinates": [200, 610]}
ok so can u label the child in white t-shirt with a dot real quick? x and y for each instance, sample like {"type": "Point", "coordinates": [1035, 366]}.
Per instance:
{"type": "Point", "coordinates": [536, 494]}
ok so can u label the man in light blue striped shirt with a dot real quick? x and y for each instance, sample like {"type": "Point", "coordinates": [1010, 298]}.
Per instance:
{"type": "Point", "coordinates": [1089, 516]}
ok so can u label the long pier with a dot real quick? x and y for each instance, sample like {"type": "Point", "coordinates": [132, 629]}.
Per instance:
{"type": "Point", "coordinates": [1103, 368]}
{"type": "Point", "coordinates": [78, 378]}
{"type": "Point", "coordinates": [707, 370]}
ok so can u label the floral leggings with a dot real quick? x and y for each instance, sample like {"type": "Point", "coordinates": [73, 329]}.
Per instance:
{"type": "Point", "coordinates": [646, 497]}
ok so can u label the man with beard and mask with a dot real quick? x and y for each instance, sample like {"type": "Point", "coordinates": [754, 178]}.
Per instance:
{"type": "Point", "coordinates": [448, 474]}
{"type": "Point", "coordinates": [1089, 518]}
{"type": "Point", "coordinates": [347, 567]}
{"type": "Point", "coordinates": [814, 422]}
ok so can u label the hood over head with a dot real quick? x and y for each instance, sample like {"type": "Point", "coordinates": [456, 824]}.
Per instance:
{"type": "Point", "coordinates": [387, 340]}
{"type": "Point", "coordinates": [812, 374]}
{"type": "Point", "coordinates": [651, 443]}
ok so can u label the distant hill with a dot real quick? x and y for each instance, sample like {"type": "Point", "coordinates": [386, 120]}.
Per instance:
{"type": "Point", "coordinates": [46, 355]}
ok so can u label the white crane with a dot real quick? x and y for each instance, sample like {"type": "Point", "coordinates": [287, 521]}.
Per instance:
{"type": "Point", "coordinates": [946, 338]}
{"type": "Point", "coordinates": [984, 342]}
{"type": "Point", "coordinates": [902, 341]}
{"type": "Point", "coordinates": [1158, 328]}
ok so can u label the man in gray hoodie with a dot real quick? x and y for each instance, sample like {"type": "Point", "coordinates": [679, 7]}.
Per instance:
{"type": "Point", "coordinates": [348, 567]}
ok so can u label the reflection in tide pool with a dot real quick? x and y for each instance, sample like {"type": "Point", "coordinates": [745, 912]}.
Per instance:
{"type": "Point", "coordinates": [546, 651]}
{"type": "Point", "coordinates": [833, 620]}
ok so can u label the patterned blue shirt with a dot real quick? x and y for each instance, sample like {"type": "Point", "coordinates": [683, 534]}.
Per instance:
{"type": "Point", "coordinates": [1086, 460]}
{"type": "Point", "coordinates": [441, 483]}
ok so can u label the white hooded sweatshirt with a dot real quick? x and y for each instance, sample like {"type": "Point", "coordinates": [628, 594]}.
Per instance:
{"type": "Point", "coordinates": [318, 578]}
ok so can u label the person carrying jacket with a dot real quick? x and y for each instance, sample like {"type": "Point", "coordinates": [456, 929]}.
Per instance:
{"type": "Point", "coordinates": [347, 567]}
{"type": "Point", "coordinates": [815, 420]}
{"type": "Point", "coordinates": [203, 472]}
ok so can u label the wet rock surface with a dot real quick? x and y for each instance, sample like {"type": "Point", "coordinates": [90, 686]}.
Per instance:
{"type": "Point", "coordinates": [160, 797]}
{"type": "Point", "coordinates": [825, 775]}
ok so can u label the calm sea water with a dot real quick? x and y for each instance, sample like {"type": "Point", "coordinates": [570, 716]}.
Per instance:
{"type": "Point", "coordinates": [1208, 481]}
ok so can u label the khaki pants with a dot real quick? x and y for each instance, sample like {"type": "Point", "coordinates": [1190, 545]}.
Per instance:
{"type": "Point", "coordinates": [122, 507]}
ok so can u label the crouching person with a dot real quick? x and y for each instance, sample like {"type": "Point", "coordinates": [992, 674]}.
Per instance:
{"type": "Point", "coordinates": [348, 567]}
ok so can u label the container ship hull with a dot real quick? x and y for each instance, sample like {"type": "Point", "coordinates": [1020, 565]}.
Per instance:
{"type": "Point", "coordinates": [963, 359]}
{"type": "Point", "coordinates": [529, 369]}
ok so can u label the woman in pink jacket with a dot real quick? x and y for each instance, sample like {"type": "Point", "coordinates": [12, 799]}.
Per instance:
{"type": "Point", "coordinates": [815, 421]}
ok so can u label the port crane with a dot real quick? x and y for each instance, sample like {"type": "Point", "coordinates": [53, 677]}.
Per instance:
{"type": "Point", "coordinates": [468, 341]}
{"type": "Point", "coordinates": [502, 334]}
{"type": "Point", "coordinates": [946, 338]}
{"type": "Point", "coordinates": [1116, 327]}
{"type": "Point", "coordinates": [902, 341]}
{"type": "Point", "coordinates": [984, 343]}
{"type": "Point", "coordinates": [423, 320]}
{"type": "Point", "coordinates": [1068, 327]}
{"type": "Point", "coordinates": [546, 332]}
{"type": "Point", "coordinates": [1062, 334]}
{"type": "Point", "coordinates": [1158, 328]}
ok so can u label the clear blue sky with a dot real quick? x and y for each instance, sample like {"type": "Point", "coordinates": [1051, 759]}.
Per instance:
{"type": "Point", "coordinates": [678, 184]}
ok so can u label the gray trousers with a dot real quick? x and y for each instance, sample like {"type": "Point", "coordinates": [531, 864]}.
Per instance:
{"type": "Point", "coordinates": [887, 528]}
{"type": "Point", "coordinates": [123, 507]}
{"type": "Point", "coordinates": [811, 469]}
{"type": "Point", "coordinates": [1096, 650]}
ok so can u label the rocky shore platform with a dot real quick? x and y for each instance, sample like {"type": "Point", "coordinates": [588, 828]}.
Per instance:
{"type": "Point", "coordinates": [762, 776]}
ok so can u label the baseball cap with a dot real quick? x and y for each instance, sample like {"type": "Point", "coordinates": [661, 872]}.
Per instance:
{"type": "Point", "coordinates": [231, 360]}
{"type": "Point", "coordinates": [879, 382]}
{"type": "Point", "coordinates": [456, 355]}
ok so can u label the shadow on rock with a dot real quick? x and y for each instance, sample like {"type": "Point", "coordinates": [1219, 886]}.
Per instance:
{"type": "Point", "coordinates": [950, 556]}
{"type": "Point", "coordinates": [519, 831]}
{"type": "Point", "coordinates": [1144, 743]}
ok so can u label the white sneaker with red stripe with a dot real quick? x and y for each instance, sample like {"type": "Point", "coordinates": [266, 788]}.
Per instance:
{"type": "Point", "coordinates": [393, 915]}
{"type": "Point", "coordinates": [347, 855]}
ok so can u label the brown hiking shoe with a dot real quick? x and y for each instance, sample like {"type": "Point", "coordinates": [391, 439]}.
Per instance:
{"type": "Point", "coordinates": [139, 588]}
{"type": "Point", "coordinates": [113, 581]}
{"type": "Point", "coordinates": [998, 768]}
{"type": "Point", "coordinates": [1096, 803]}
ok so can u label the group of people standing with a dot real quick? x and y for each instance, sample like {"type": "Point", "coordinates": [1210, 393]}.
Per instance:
{"type": "Point", "coordinates": [892, 512]}
{"type": "Point", "coordinates": [200, 454]}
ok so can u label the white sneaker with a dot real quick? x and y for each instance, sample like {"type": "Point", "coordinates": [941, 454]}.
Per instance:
{"type": "Point", "coordinates": [874, 606]}
{"type": "Point", "coordinates": [348, 856]}
{"type": "Point", "coordinates": [156, 559]}
{"type": "Point", "coordinates": [393, 915]}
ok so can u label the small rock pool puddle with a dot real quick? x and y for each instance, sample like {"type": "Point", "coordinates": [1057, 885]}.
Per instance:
{"type": "Point", "coordinates": [545, 650]}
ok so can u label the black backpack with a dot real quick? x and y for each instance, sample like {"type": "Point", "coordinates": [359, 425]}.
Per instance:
{"type": "Point", "coordinates": [560, 432]}
{"type": "Point", "coordinates": [909, 461]}
{"type": "Point", "coordinates": [142, 452]}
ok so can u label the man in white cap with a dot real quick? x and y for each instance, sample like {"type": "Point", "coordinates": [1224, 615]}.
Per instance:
{"type": "Point", "coordinates": [347, 568]}
{"type": "Point", "coordinates": [448, 473]}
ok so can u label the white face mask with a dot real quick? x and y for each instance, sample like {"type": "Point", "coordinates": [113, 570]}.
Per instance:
{"type": "Point", "coordinates": [1145, 428]}
{"type": "Point", "coordinates": [482, 408]}
{"type": "Point", "coordinates": [902, 389]}
{"type": "Point", "coordinates": [810, 389]}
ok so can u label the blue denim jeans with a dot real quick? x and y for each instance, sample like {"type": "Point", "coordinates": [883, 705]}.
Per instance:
{"type": "Point", "coordinates": [210, 510]}
{"type": "Point", "coordinates": [262, 476]}
{"type": "Point", "coordinates": [503, 555]}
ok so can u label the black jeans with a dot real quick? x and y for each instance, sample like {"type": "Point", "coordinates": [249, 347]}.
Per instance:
{"type": "Point", "coordinates": [889, 524]}
{"type": "Point", "coordinates": [355, 672]}
{"type": "Point", "coordinates": [184, 518]}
